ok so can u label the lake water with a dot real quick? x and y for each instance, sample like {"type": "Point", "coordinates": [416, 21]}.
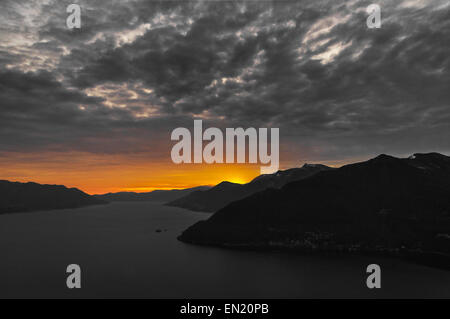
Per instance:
{"type": "Point", "coordinates": [122, 255]}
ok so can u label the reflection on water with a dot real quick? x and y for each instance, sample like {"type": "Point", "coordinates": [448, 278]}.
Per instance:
{"type": "Point", "coordinates": [122, 255]}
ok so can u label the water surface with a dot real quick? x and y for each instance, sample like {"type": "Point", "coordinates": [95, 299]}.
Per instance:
{"type": "Point", "coordinates": [122, 255]}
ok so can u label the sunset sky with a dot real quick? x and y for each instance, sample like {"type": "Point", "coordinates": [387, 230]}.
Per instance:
{"type": "Point", "coordinates": [94, 108]}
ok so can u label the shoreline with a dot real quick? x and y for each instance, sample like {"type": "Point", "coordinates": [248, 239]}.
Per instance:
{"type": "Point", "coordinates": [430, 259]}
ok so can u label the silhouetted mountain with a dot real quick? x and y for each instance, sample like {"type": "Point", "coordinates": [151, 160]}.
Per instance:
{"type": "Point", "coordinates": [224, 193]}
{"type": "Point", "coordinates": [385, 204]}
{"type": "Point", "coordinates": [156, 196]}
{"type": "Point", "coordinates": [26, 197]}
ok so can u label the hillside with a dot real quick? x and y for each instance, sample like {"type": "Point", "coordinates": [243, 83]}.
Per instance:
{"type": "Point", "coordinates": [156, 195]}
{"type": "Point", "coordinates": [385, 204]}
{"type": "Point", "coordinates": [224, 193]}
{"type": "Point", "coordinates": [26, 197]}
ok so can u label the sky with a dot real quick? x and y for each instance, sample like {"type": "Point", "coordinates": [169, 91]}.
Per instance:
{"type": "Point", "coordinates": [94, 107]}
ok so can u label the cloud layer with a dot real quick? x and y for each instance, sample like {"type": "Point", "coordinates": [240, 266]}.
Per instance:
{"type": "Point", "coordinates": [138, 69]}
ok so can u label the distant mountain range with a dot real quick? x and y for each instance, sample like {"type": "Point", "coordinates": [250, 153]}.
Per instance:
{"type": "Point", "coordinates": [26, 197]}
{"type": "Point", "coordinates": [156, 196]}
{"type": "Point", "coordinates": [386, 204]}
{"type": "Point", "coordinates": [224, 193]}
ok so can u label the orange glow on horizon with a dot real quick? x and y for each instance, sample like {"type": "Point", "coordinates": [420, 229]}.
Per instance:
{"type": "Point", "coordinates": [105, 173]}
{"type": "Point", "coordinates": [111, 173]}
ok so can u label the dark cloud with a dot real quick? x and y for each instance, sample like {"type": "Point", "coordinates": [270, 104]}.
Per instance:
{"type": "Point", "coordinates": [138, 69]}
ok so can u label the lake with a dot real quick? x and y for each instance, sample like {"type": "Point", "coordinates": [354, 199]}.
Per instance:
{"type": "Point", "coordinates": [122, 255]}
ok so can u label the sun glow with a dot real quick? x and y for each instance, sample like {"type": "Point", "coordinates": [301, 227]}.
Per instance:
{"type": "Point", "coordinates": [237, 180]}
{"type": "Point", "coordinates": [103, 173]}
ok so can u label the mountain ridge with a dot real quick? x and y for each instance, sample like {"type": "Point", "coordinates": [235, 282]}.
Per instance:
{"type": "Point", "coordinates": [383, 204]}
{"type": "Point", "coordinates": [19, 197]}
{"type": "Point", "coordinates": [225, 192]}
{"type": "Point", "coordinates": [156, 195]}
